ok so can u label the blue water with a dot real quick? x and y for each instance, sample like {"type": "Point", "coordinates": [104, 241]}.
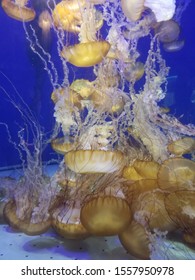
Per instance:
{"type": "Point", "coordinates": [25, 71]}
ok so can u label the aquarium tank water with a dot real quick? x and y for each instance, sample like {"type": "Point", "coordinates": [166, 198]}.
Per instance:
{"type": "Point", "coordinates": [97, 129]}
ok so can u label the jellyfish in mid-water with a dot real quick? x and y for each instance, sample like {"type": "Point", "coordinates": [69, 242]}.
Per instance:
{"type": "Point", "coordinates": [163, 10]}
{"type": "Point", "coordinates": [45, 23]}
{"type": "Point", "coordinates": [18, 10]}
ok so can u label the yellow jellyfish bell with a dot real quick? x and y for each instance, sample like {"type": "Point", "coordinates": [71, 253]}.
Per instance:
{"type": "Point", "coordinates": [105, 215]}
{"type": "Point", "coordinates": [24, 225]}
{"type": "Point", "coordinates": [66, 222]}
{"type": "Point", "coordinates": [18, 11]}
{"type": "Point", "coordinates": [86, 54]}
{"type": "Point", "coordinates": [61, 146]}
{"type": "Point", "coordinates": [177, 174]}
{"type": "Point", "coordinates": [149, 207]}
{"type": "Point", "coordinates": [94, 161]}
{"type": "Point", "coordinates": [67, 15]}
{"type": "Point", "coordinates": [181, 208]}
{"type": "Point", "coordinates": [141, 170]}
{"type": "Point", "coordinates": [182, 146]}
{"type": "Point", "coordinates": [136, 241]}
{"type": "Point", "coordinates": [83, 87]}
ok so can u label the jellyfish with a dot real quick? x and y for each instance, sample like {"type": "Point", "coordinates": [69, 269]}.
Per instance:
{"type": "Point", "coordinates": [174, 46]}
{"type": "Point", "coordinates": [98, 214]}
{"type": "Point", "coordinates": [163, 10]}
{"type": "Point", "coordinates": [141, 170]}
{"type": "Point", "coordinates": [86, 54]}
{"type": "Point", "coordinates": [185, 145]}
{"type": "Point", "coordinates": [66, 221]}
{"type": "Point", "coordinates": [136, 241]}
{"type": "Point", "coordinates": [62, 146]}
{"type": "Point", "coordinates": [89, 51]}
{"type": "Point", "coordinates": [181, 208]}
{"type": "Point", "coordinates": [134, 72]}
{"type": "Point", "coordinates": [18, 10]}
{"type": "Point", "coordinates": [67, 15]}
{"type": "Point", "coordinates": [94, 161]}
{"type": "Point", "coordinates": [177, 174]}
{"type": "Point", "coordinates": [149, 209]}
{"type": "Point", "coordinates": [45, 23]}
{"type": "Point", "coordinates": [83, 87]}
{"type": "Point", "coordinates": [167, 31]}
{"type": "Point", "coordinates": [29, 228]}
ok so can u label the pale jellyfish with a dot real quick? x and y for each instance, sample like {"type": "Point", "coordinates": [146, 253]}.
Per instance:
{"type": "Point", "coordinates": [45, 23]}
{"type": "Point", "coordinates": [162, 9]}
{"type": "Point", "coordinates": [167, 31]}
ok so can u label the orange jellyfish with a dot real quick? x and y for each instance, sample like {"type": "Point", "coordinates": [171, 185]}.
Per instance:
{"type": "Point", "coordinates": [83, 87]}
{"type": "Point", "coordinates": [149, 209]}
{"type": "Point", "coordinates": [25, 225]}
{"type": "Point", "coordinates": [141, 170]}
{"type": "Point", "coordinates": [18, 10]}
{"type": "Point", "coordinates": [94, 161]}
{"type": "Point", "coordinates": [177, 174]}
{"type": "Point", "coordinates": [86, 54]}
{"type": "Point", "coordinates": [62, 146]}
{"type": "Point", "coordinates": [105, 215]}
{"type": "Point", "coordinates": [135, 240]}
{"type": "Point", "coordinates": [66, 221]}
{"type": "Point", "coordinates": [182, 146]}
{"type": "Point", "coordinates": [181, 208]}
{"type": "Point", "coordinates": [67, 15]}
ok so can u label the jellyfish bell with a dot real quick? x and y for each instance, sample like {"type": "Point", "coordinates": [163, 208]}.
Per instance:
{"type": "Point", "coordinates": [45, 23]}
{"type": "Point", "coordinates": [62, 146]}
{"type": "Point", "coordinates": [149, 209]}
{"type": "Point", "coordinates": [133, 190]}
{"type": "Point", "coordinates": [136, 241]}
{"type": "Point", "coordinates": [141, 170]}
{"type": "Point", "coordinates": [180, 206]}
{"type": "Point", "coordinates": [177, 174]}
{"type": "Point", "coordinates": [182, 146]}
{"type": "Point", "coordinates": [174, 46]}
{"type": "Point", "coordinates": [132, 9]}
{"type": "Point", "coordinates": [94, 161]}
{"type": "Point", "coordinates": [18, 10]}
{"type": "Point", "coordinates": [86, 54]}
{"type": "Point", "coordinates": [69, 179]}
{"type": "Point", "coordinates": [66, 222]}
{"type": "Point", "coordinates": [67, 15]}
{"type": "Point", "coordinates": [134, 72]}
{"type": "Point", "coordinates": [25, 225]}
{"type": "Point", "coordinates": [83, 87]}
{"type": "Point", "coordinates": [167, 31]}
{"type": "Point", "coordinates": [162, 9]}
{"type": "Point", "coordinates": [105, 215]}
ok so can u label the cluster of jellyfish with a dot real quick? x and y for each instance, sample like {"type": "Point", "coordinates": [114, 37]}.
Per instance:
{"type": "Point", "coordinates": [127, 166]}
